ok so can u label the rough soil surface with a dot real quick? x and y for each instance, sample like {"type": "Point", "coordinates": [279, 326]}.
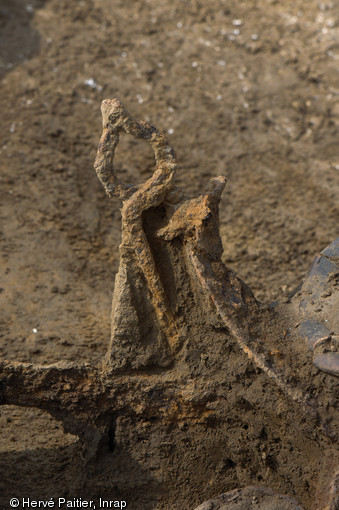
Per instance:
{"type": "Point", "coordinates": [246, 91]}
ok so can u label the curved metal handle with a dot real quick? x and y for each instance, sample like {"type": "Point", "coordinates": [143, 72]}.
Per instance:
{"type": "Point", "coordinates": [115, 119]}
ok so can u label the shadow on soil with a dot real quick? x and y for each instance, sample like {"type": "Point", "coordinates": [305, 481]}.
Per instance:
{"type": "Point", "coordinates": [18, 40]}
{"type": "Point", "coordinates": [27, 474]}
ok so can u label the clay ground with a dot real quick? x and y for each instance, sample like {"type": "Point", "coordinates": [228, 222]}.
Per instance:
{"type": "Point", "coordinates": [244, 89]}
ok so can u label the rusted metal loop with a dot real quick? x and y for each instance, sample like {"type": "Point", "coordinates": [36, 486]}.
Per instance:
{"type": "Point", "coordinates": [115, 119]}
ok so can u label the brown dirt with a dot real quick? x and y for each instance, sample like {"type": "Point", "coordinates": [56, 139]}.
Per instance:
{"type": "Point", "coordinates": [255, 100]}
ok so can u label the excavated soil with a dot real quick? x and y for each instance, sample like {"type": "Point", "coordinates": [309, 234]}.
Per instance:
{"type": "Point", "coordinates": [244, 89]}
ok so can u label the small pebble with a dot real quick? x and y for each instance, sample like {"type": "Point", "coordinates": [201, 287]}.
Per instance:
{"type": "Point", "coordinates": [330, 23]}
{"type": "Point", "coordinates": [90, 82]}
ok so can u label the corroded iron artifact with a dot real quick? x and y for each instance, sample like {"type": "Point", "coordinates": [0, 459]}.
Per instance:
{"type": "Point", "coordinates": [183, 324]}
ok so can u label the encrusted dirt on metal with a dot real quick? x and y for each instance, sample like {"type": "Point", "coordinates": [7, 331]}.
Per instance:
{"type": "Point", "coordinates": [172, 294]}
{"type": "Point", "coordinates": [246, 92]}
